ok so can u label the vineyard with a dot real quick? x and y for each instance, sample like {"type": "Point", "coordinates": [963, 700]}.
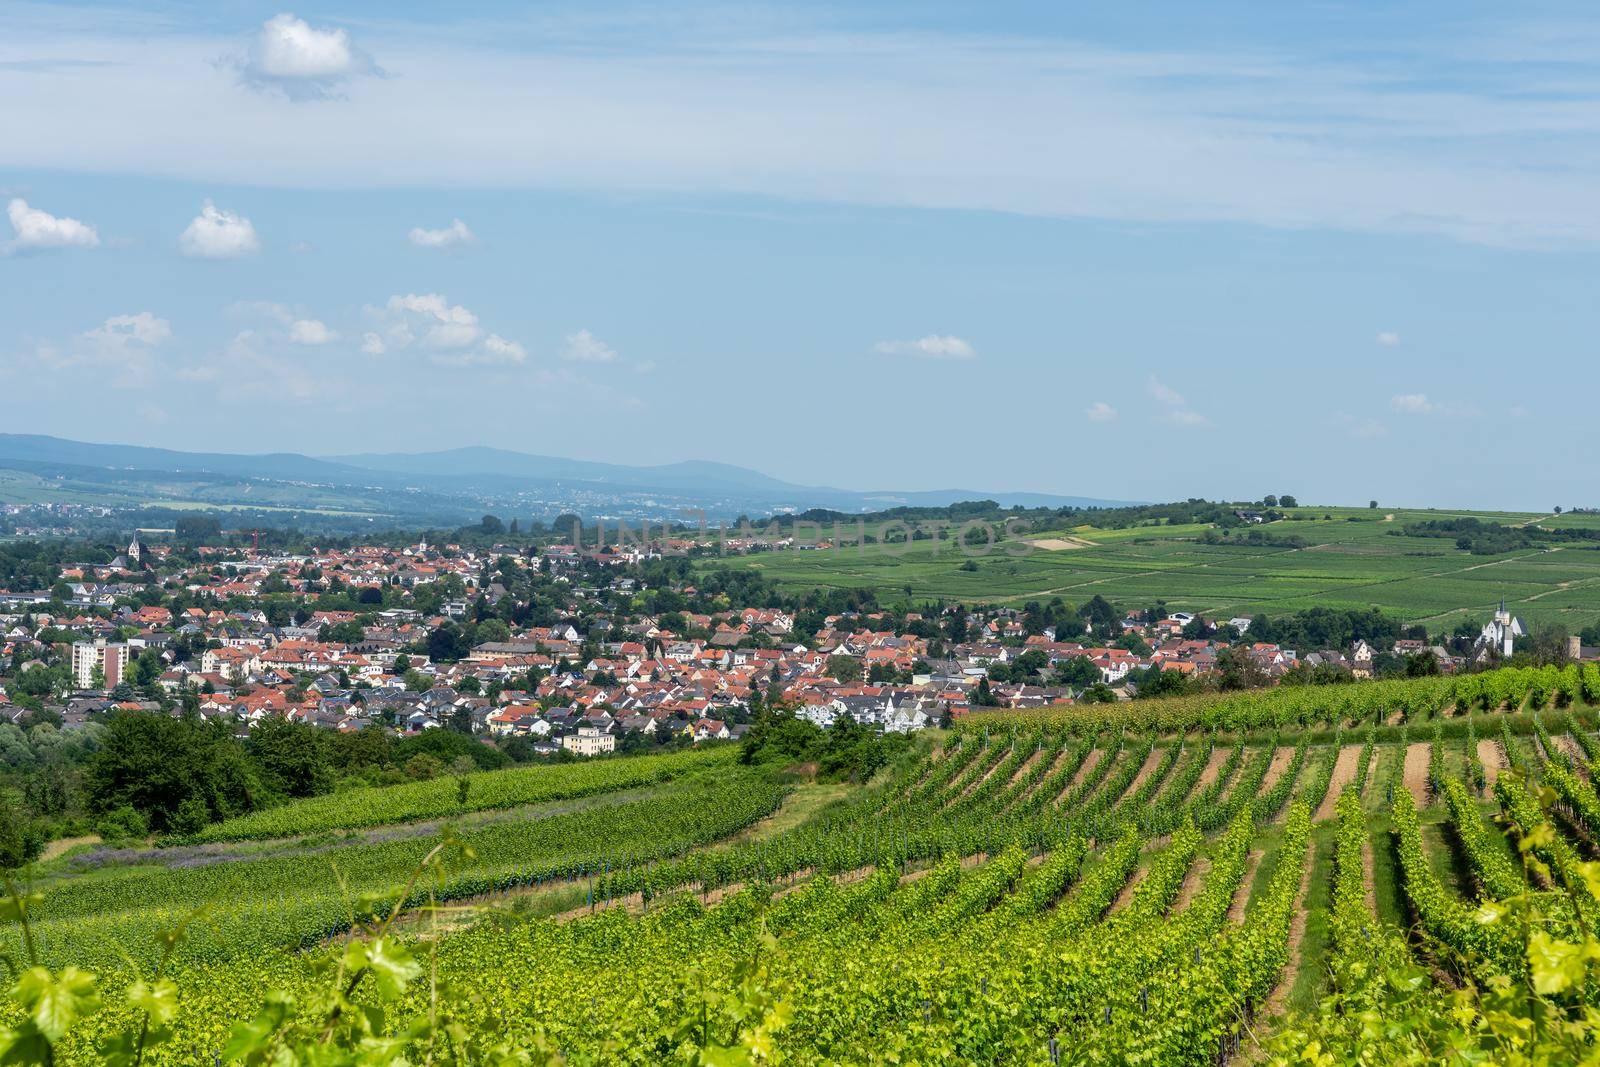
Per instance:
{"type": "Point", "coordinates": [1396, 872]}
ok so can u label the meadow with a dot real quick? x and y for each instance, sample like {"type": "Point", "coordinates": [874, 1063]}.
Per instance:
{"type": "Point", "coordinates": [1216, 878]}
{"type": "Point", "coordinates": [1351, 559]}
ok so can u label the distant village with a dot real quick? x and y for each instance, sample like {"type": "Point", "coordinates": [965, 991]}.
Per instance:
{"type": "Point", "coordinates": [559, 646]}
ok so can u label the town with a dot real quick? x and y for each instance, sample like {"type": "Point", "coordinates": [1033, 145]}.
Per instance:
{"type": "Point", "coordinates": [586, 650]}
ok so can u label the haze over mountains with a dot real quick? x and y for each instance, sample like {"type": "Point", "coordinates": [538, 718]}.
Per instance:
{"type": "Point", "coordinates": [463, 480]}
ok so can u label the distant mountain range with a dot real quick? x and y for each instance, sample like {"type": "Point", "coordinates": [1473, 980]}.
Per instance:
{"type": "Point", "coordinates": [475, 477]}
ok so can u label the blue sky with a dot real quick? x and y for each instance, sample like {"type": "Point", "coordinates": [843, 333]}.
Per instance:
{"type": "Point", "coordinates": [1134, 250]}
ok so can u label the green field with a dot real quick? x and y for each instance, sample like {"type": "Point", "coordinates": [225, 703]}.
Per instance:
{"type": "Point", "coordinates": [1351, 560]}
{"type": "Point", "coordinates": [1189, 881]}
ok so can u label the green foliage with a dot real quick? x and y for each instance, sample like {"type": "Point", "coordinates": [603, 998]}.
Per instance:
{"type": "Point", "coordinates": [846, 751]}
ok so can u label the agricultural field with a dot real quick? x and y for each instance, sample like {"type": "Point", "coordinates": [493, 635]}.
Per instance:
{"type": "Point", "coordinates": [1216, 878]}
{"type": "Point", "coordinates": [1352, 558]}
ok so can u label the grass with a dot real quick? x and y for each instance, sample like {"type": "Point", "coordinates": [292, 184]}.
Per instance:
{"type": "Point", "coordinates": [1353, 559]}
{"type": "Point", "coordinates": [803, 803]}
{"type": "Point", "coordinates": [1311, 979]}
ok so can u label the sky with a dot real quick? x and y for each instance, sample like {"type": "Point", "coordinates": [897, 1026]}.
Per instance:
{"type": "Point", "coordinates": [1137, 251]}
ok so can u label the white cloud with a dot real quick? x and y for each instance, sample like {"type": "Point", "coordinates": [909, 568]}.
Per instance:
{"type": "Point", "coordinates": [443, 325]}
{"type": "Point", "coordinates": [933, 346]}
{"type": "Point", "coordinates": [454, 234]}
{"type": "Point", "coordinates": [218, 234]}
{"type": "Point", "coordinates": [1412, 404]}
{"type": "Point", "coordinates": [1280, 133]}
{"type": "Point", "coordinates": [40, 229]}
{"type": "Point", "coordinates": [244, 373]}
{"type": "Point", "coordinates": [585, 347]}
{"type": "Point", "coordinates": [494, 350]}
{"type": "Point", "coordinates": [311, 332]}
{"type": "Point", "coordinates": [1519, 411]}
{"type": "Point", "coordinates": [121, 332]}
{"type": "Point", "coordinates": [452, 332]}
{"type": "Point", "coordinates": [1165, 394]}
{"type": "Point", "coordinates": [120, 351]}
{"type": "Point", "coordinates": [1388, 338]}
{"type": "Point", "coordinates": [292, 57]}
{"type": "Point", "coordinates": [1178, 412]}
{"type": "Point", "coordinates": [1192, 420]}
{"type": "Point", "coordinates": [1100, 411]}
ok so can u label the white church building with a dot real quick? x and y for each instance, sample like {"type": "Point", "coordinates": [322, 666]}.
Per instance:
{"type": "Point", "coordinates": [1501, 632]}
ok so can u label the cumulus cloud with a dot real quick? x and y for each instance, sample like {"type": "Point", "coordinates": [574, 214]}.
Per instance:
{"type": "Point", "coordinates": [452, 235]}
{"type": "Point", "coordinates": [218, 234]}
{"type": "Point", "coordinates": [1165, 394]}
{"type": "Point", "coordinates": [494, 350]}
{"type": "Point", "coordinates": [291, 57]}
{"type": "Point", "coordinates": [1100, 411]}
{"type": "Point", "coordinates": [121, 332]}
{"type": "Point", "coordinates": [310, 332]}
{"type": "Point", "coordinates": [120, 351]}
{"type": "Point", "coordinates": [1177, 412]}
{"type": "Point", "coordinates": [1412, 404]}
{"type": "Point", "coordinates": [1388, 339]}
{"type": "Point", "coordinates": [451, 332]}
{"type": "Point", "coordinates": [585, 347]}
{"type": "Point", "coordinates": [443, 324]}
{"type": "Point", "coordinates": [933, 346]}
{"type": "Point", "coordinates": [40, 229]}
{"type": "Point", "coordinates": [245, 372]}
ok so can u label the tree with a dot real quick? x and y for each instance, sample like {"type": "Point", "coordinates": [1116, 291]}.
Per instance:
{"type": "Point", "coordinates": [1270, 501]}
{"type": "Point", "coordinates": [344, 633]}
{"type": "Point", "coordinates": [493, 630]}
{"type": "Point", "coordinates": [1239, 671]}
{"type": "Point", "coordinates": [20, 838]}
{"type": "Point", "coordinates": [292, 756]}
{"type": "Point", "coordinates": [844, 668]}
{"type": "Point", "coordinates": [1372, 503]}
{"type": "Point", "coordinates": [491, 525]}
{"type": "Point", "coordinates": [448, 643]}
{"type": "Point", "coordinates": [197, 529]}
{"type": "Point", "coordinates": [1287, 501]}
{"type": "Point", "coordinates": [154, 763]}
{"type": "Point", "coordinates": [1079, 671]}
{"type": "Point", "coordinates": [1098, 613]}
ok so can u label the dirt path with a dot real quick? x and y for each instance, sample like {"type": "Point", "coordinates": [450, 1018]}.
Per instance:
{"type": "Point", "coordinates": [1090, 762]}
{"type": "Point", "coordinates": [1027, 765]}
{"type": "Point", "coordinates": [1493, 758]}
{"type": "Point", "coordinates": [1241, 896]}
{"type": "Point", "coordinates": [1344, 772]}
{"type": "Point", "coordinates": [1127, 890]}
{"type": "Point", "coordinates": [1414, 776]}
{"type": "Point", "coordinates": [1192, 881]}
{"type": "Point", "coordinates": [1213, 767]}
{"type": "Point", "coordinates": [1146, 769]}
{"type": "Point", "coordinates": [1281, 758]}
{"type": "Point", "coordinates": [1570, 747]}
{"type": "Point", "coordinates": [61, 846]}
{"type": "Point", "coordinates": [986, 775]}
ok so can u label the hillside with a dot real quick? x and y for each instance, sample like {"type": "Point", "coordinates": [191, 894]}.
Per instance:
{"type": "Point", "coordinates": [1317, 557]}
{"type": "Point", "coordinates": [1099, 884]}
{"type": "Point", "coordinates": [445, 487]}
